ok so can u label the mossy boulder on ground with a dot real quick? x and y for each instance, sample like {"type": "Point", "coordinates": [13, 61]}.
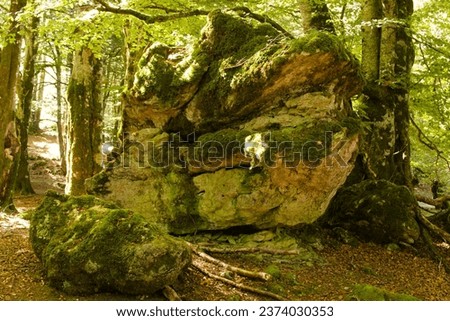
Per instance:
{"type": "Point", "coordinates": [88, 245]}
{"type": "Point", "coordinates": [249, 127]}
{"type": "Point", "coordinates": [377, 211]}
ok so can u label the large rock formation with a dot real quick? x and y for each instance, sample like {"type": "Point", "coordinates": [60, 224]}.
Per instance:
{"type": "Point", "coordinates": [88, 245]}
{"type": "Point", "coordinates": [250, 128]}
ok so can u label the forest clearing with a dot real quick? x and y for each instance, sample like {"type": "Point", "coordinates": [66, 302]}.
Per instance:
{"type": "Point", "coordinates": [208, 151]}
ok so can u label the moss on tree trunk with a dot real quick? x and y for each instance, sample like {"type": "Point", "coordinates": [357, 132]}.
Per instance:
{"type": "Point", "coordinates": [9, 63]}
{"type": "Point", "coordinates": [388, 56]}
{"type": "Point", "coordinates": [23, 183]}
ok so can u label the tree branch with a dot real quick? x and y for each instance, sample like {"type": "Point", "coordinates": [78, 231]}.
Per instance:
{"type": "Point", "coordinates": [428, 142]}
{"type": "Point", "coordinates": [148, 19]}
{"type": "Point", "coordinates": [263, 19]}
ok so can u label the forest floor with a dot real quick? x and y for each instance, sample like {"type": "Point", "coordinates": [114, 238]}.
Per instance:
{"type": "Point", "coordinates": [323, 269]}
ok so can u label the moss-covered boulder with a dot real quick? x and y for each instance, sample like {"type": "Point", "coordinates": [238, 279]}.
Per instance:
{"type": "Point", "coordinates": [377, 211]}
{"type": "Point", "coordinates": [88, 245]}
{"type": "Point", "coordinates": [247, 128]}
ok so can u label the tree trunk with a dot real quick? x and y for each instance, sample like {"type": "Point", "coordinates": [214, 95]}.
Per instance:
{"type": "Point", "coordinates": [59, 109]}
{"type": "Point", "coordinates": [315, 15]}
{"type": "Point", "coordinates": [84, 121]}
{"type": "Point", "coordinates": [9, 63]}
{"type": "Point", "coordinates": [387, 59]}
{"type": "Point", "coordinates": [39, 96]}
{"type": "Point", "coordinates": [23, 183]}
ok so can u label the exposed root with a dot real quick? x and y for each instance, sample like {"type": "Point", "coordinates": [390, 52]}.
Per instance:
{"type": "Point", "coordinates": [255, 275]}
{"type": "Point", "coordinates": [426, 227]}
{"type": "Point", "coordinates": [249, 250]}
{"type": "Point", "coordinates": [433, 228]}
{"type": "Point", "coordinates": [202, 259]}
{"type": "Point", "coordinates": [433, 250]}
{"type": "Point", "coordinates": [238, 285]}
{"type": "Point", "coordinates": [437, 202]}
{"type": "Point", "coordinates": [170, 294]}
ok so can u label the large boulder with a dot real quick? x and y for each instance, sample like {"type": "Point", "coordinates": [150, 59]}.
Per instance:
{"type": "Point", "coordinates": [375, 210]}
{"type": "Point", "coordinates": [250, 128]}
{"type": "Point", "coordinates": [88, 245]}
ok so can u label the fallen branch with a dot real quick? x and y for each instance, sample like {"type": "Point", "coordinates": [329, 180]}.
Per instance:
{"type": "Point", "coordinates": [238, 285]}
{"type": "Point", "coordinates": [249, 250]}
{"type": "Point", "coordinates": [256, 275]}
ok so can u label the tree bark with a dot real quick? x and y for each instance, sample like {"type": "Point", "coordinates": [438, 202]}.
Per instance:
{"type": "Point", "coordinates": [84, 121]}
{"type": "Point", "coordinates": [23, 182]}
{"type": "Point", "coordinates": [387, 59]}
{"type": "Point", "coordinates": [9, 64]}
{"type": "Point", "coordinates": [39, 96]}
{"type": "Point", "coordinates": [59, 109]}
{"type": "Point", "coordinates": [315, 15]}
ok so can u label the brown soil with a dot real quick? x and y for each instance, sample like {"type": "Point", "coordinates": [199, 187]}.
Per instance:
{"type": "Point", "coordinates": [325, 270]}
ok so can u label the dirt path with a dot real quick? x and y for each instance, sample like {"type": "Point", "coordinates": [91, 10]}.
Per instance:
{"type": "Point", "coordinates": [325, 270]}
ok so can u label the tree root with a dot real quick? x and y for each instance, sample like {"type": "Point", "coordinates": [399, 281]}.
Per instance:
{"type": "Point", "coordinates": [170, 294]}
{"type": "Point", "coordinates": [433, 228]}
{"type": "Point", "coordinates": [256, 275]}
{"type": "Point", "coordinates": [426, 227]}
{"type": "Point", "coordinates": [433, 250]}
{"type": "Point", "coordinates": [250, 250]}
{"type": "Point", "coordinates": [202, 256]}
{"type": "Point", "coordinates": [238, 285]}
{"type": "Point", "coordinates": [437, 202]}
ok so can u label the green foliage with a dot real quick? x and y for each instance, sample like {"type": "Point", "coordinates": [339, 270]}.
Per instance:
{"type": "Point", "coordinates": [430, 91]}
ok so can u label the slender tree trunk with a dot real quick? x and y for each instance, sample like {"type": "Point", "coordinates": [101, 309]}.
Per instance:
{"type": "Point", "coordinates": [388, 55]}
{"type": "Point", "coordinates": [23, 182]}
{"type": "Point", "coordinates": [59, 110]}
{"type": "Point", "coordinates": [84, 121]}
{"type": "Point", "coordinates": [9, 63]}
{"type": "Point", "coordinates": [39, 96]}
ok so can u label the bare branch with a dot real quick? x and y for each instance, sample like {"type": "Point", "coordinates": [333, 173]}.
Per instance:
{"type": "Point", "coordinates": [428, 142]}
{"type": "Point", "coordinates": [149, 19]}
{"type": "Point", "coordinates": [246, 12]}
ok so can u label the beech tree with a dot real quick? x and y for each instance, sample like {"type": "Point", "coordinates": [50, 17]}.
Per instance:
{"type": "Point", "coordinates": [84, 125]}
{"type": "Point", "coordinates": [23, 114]}
{"type": "Point", "coordinates": [387, 59]}
{"type": "Point", "coordinates": [9, 63]}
